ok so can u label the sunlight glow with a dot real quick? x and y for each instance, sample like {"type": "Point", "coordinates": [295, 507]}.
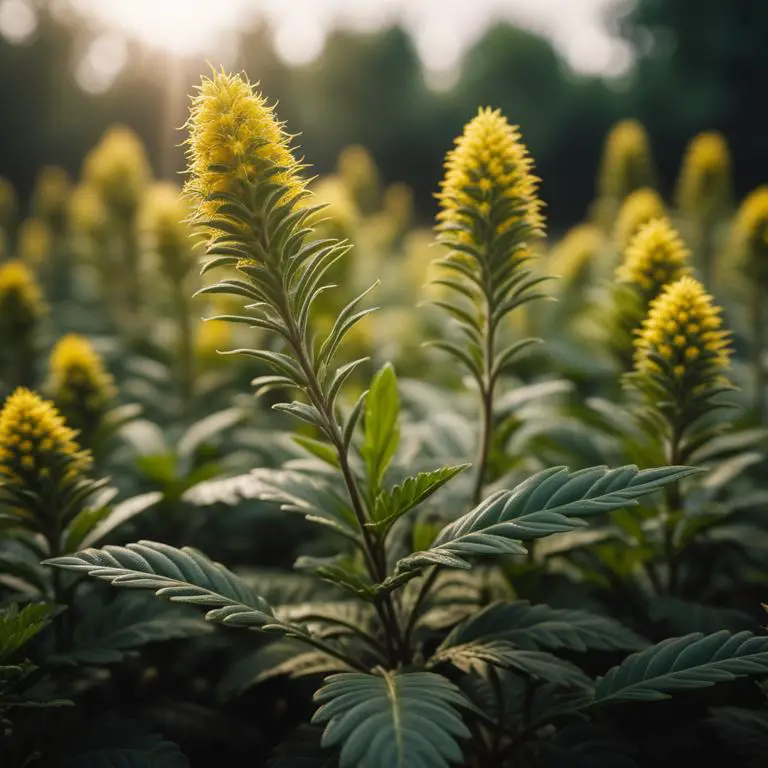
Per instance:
{"type": "Point", "coordinates": [18, 21]}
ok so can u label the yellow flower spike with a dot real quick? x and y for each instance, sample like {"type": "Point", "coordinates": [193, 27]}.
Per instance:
{"type": "Point", "coordinates": [640, 207]}
{"type": "Point", "coordinates": [489, 168]}
{"type": "Point", "coordinates": [21, 301]}
{"type": "Point", "coordinates": [235, 140]}
{"type": "Point", "coordinates": [118, 169]}
{"type": "Point", "coordinates": [34, 242]}
{"type": "Point", "coordinates": [78, 382]}
{"type": "Point", "coordinates": [655, 256]}
{"type": "Point", "coordinates": [627, 163]}
{"type": "Point", "coordinates": [576, 252]}
{"type": "Point", "coordinates": [37, 443]}
{"type": "Point", "coordinates": [164, 227]}
{"type": "Point", "coordinates": [52, 191]}
{"type": "Point", "coordinates": [87, 213]}
{"type": "Point", "coordinates": [704, 185]}
{"type": "Point", "coordinates": [360, 175]}
{"type": "Point", "coordinates": [697, 353]}
{"type": "Point", "coordinates": [340, 217]}
{"type": "Point", "coordinates": [750, 229]}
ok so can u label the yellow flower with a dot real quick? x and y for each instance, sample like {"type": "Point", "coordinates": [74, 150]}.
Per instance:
{"type": "Point", "coordinates": [684, 329]}
{"type": "Point", "coordinates": [655, 256]}
{"type": "Point", "coordinates": [640, 207]}
{"type": "Point", "coordinates": [21, 302]}
{"type": "Point", "coordinates": [118, 169]}
{"type": "Point", "coordinates": [235, 140]}
{"type": "Point", "coordinates": [78, 383]}
{"type": "Point", "coordinates": [750, 228]}
{"type": "Point", "coordinates": [52, 190]}
{"type": "Point", "coordinates": [576, 251]}
{"type": "Point", "coordinates": [35, 443]}
{"type": "Point", "coordinates": [489, 172]}
{"type": "Point", "coordinates": [626, 164]}
{"type": "Point", "coordinates": [213, 336]}
{"type": "Point", "coordinates": [360, 175]}
{"type": "Point", "coordinates": [340, 218]}
{"type": "Point", "coordinates": [34, 242]}
{"type": "Point", "coordinates": [163, 225]}
{"type": "Point", "coordinates": [87, 213]}
{"type": "Point", "coordinates": [704, 185]}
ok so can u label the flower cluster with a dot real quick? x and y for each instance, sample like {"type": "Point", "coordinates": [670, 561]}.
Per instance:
{"type": "Point", "coordinates": [52, 191]}
{"type": "Point", "coordinates": [682, 337]}
{"type": "Point", "coordinates": [655, 256]}
{"type": "Point", "coordinates": [78, 383]}
{"type": "Point", "coordinates": [626, 164]}
{"type": "Point", "coordinates": [34, 242]}
{"type": "Point", "coordinates": [489, 173]}
{"type": "Point", "coordinates": [639, 208]}
{"type": "Point", "coordinates": [577, 251]}
{"type": "Point", "coordinates": [87, 213]}
{"type": "Point", "coordinates": [704, 186]}
{"type": "Point", "coordinates": [751, 232]}
{"type": "Point", "coordinates": [35, 443]}
{"type": "Point", "coordinates": [236, 141]}
{"type": "Point", "coordinates": [118, 169]}
{"type": "Point", "coordinates": [21, 302]}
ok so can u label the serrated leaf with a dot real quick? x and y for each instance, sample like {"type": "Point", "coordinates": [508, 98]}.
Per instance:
{"type": "Point", "coordinates": [683, 663]}
{"type": "Point", "coordinates": [536, 627]}
{"type": "Point", "coordinates": [392, 720]}
{"type": "Point", "coordinates": [501, 653]}
{"type": "Point", "coordinates": [380, 426]}
{"type": "Point", "coordinates": [179, 575]}
{"type": "Point", "coordinates": [19, 625]}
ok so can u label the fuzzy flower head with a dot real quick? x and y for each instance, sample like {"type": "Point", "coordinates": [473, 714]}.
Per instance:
{"type": "Point", "coordinates": [655, 256]}
{"type": "Point", "coordinates": [750, 229]}
{"type": "Point", "coordinates": [52, 190]}
{"type": "Point", "coordinates": [21, 302]}
{"type": "Point", "coordinates": [576, 252]}
{"type": "Point", "coordinates": [36, 444]}
{"type": "Point", "coordinates": [640, 207]}
{"type": "Point", "coordinates": [704, 186]}
{"type": "Point", "coordinates": [164, 228]}
{"type": "Point", "coordinates": [78, 383]}
{"type": "Point", "coordinates": [489, 172]}
{"type": "Point", "coordinates": [683, 329]}
{"type": "Point", "coordinates": [34, 242]}
{"type": "Point", "coordinates": [118, 169]}
{"type": "Point", "coordinates": [88, 216]}
{"type": "Point", "coordinates": [235, 141]}
{"type": "Point", "coordinates": [359, 174]}
{"type": "Point", "coordinates": [626, 164]}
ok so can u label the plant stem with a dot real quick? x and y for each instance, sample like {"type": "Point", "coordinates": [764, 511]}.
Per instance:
{"type": "Point", "coordinates": [186, 350]}
{"type": "Point", "coordinates": [674, 503]}
{"type": "Point", "coordinates": [758, 349]}
{"type": "Point", "coordinates": [424, 590]}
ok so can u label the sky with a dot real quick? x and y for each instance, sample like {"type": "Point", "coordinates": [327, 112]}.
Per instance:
{"type": "Point", "coordinates": [442, 29]}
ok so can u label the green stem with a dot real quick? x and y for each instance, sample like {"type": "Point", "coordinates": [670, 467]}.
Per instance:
{"type": "Point", "coordinates": [758, 349]}
{"type": "Point", "coordinates": [674, 503]}
{"type": "Point", "coordinates": [426, 587]}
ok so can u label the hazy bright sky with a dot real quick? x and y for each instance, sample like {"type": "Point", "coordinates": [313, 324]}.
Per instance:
{"type": "Point", "coordinates": [442, 29]}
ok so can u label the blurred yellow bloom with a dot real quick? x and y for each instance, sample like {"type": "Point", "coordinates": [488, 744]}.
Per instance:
{"type": "Point", "coordinates": [87, 213]}
{"type": "Point", "coordinates": [21, 301]}
{"type": "Point", "coordinates": [340, 217]}
{"type": "Point", "coordinates": [576, 252]}
{"type": "Point", "coordinates": [118, 169]}
{"type": "Point", "coordinates": [235, 140]}
{"type": "Point", "coordinates": [51, 195]}
{"type": "Point", "coordinates": [655, 256]}
{"type": "Point", "coordinates": [360, 175]}
{"type": "Point", "coordinates": [750, 230]}
{"type": "Point", "coordinates": [34, 242]}
{"type": "Point", "coordinates": [704, 185]}
{"type": "Point", "coordinates": [78, 382]}
{"type": "Point", "coordinates": [163, 224]}
{"type": "Point", "coordinates": [8, 205]}
{"type": "Point", "coordinates": [489, 170]}
{"type": "Point", "coordinates": [35, 443]}
{"type": "Point", "coordinates": [626, 164]}
{"type": "Point", "coordinates": [639, 208]}
{"type": "Point", "coordinates": [684, 329]}
{"type": "Point", "coordinates": [213, 336]}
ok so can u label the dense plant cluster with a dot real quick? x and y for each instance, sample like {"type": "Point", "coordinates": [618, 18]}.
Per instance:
{"type": "Point", "coordinates": [524, 532]}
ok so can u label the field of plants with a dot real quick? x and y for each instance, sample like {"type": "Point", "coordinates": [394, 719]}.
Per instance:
{"type": "Point", "coordinates": [289, 478]}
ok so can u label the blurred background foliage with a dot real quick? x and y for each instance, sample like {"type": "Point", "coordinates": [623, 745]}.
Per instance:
{"type": "Point", "coordinates": [698, 65]}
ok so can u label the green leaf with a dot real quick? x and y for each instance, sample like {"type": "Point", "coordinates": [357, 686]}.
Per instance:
{"type": "Point", "coordinates": [535, 627]}
{"type": "Point", "coordinates": [103, 636]}
{"type": "Point", "coordinates": [19, 625]}
{"type": "Point", "coordinates": [318, 448]}
{"type": "Point", "coordinates": [179, 575]}
{"type": "Point", "coordinates": [543, 504]}
{"type": "Point", "coordinates": [393, 504]}
{"type": "Point", "coordinates": [683, 663]}
{"type": "Point", "coordinates": [392, 720]}
{"type": "Point", "coordinates": [380, 425]}
{"type": "Point", "coordinates": [500, 653]}
{"type": "Point", "coordinates": [742, 730]}
{"type": "Point", "coordinates": [111, 519]}
{"type": "Point", "coordinates": [681, 617]}
{"type": "Point", "coordinates": [206, 429]}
